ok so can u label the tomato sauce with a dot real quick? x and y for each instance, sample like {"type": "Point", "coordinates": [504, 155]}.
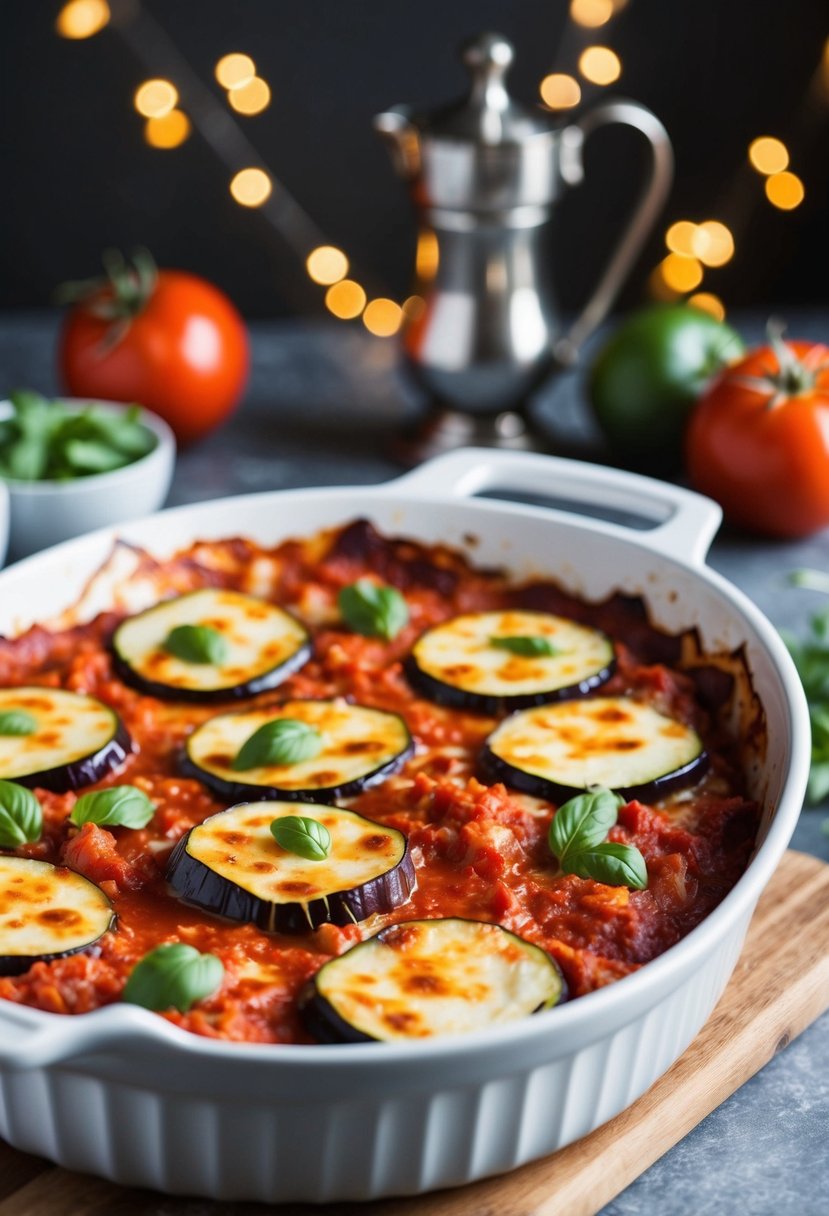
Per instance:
{"type": "Point", "coordinates": [479, 851]}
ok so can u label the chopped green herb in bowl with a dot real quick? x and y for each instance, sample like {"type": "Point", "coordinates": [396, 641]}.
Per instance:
{"type": "Point", "coordinates": [42, 440]}
{"type": "Point", "coordinates": [72, 466]}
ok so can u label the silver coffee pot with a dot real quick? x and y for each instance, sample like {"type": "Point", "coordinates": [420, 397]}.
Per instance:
{"type": "Point", "coordinates": [485, 173]}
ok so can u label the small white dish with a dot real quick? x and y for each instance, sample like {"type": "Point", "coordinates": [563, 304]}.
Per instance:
{"type": "Point", "coordinates": [42, 513]}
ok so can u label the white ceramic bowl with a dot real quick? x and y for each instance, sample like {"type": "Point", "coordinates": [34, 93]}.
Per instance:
{"type": "Point", "coordinates": [123, 1093]}
{"type": "Point", "coordinates": [45, 512]}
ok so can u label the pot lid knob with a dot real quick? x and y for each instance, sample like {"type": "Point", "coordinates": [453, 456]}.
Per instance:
{"type": "Point", "coordinates": [488, 114]}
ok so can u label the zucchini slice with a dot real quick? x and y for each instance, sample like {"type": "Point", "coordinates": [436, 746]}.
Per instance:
{"type": "Point", "coordinates": [359, 747]}
{"type": "Point", "coordinates": [47, 912]}
{"type": "Point", "coordinates": [232, 865]}
{"type": "Point", "coordinates": [422, 978]}
{"type": "Point", "coordinates": [76, 741]}
{"type": "Point", "coordinates": [263, 645]}
{"type": "Point", "coordinates": [556, 751]}
{"type": "Point", "coordinates": [485, 661]}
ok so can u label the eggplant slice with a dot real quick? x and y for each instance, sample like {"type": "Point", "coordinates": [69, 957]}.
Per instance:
{"type": "Point", "coordinates": [469, 663]}
{"type": "Point", "coordinates": [47, 912]}
{"type": "Point", "coordinates": [426, 978]}
{"type": "Point", "coordinates": [556, 751]}
{"type": "Point", "coordinates": [265, 645]}
{"type": "Point", "coordinates": [360, 747]}
{"type": "Point", "coordinates": [77, 739]}
{"type": "Point", "coordinates": [232, 865]}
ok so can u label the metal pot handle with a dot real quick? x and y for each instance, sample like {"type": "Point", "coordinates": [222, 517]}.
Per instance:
{"type": "Point", "coordinates": [648, 206]}
{"type": "Point", "coordinates": [684, 523]}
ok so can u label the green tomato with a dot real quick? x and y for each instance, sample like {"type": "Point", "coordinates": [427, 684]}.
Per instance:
{"type": "Point", "coordinates": [648, 375]}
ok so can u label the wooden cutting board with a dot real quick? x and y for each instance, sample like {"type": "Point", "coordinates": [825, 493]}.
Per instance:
{"type": "Point", "coordinates": [772, 997]}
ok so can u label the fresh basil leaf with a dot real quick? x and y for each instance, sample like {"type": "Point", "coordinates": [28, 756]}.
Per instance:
{"type": "Point", "coordinates": [303, 836]}
{"type": "Point", "coordinates": [813, 580]}
{"type": "Point", "coordinates": [196, 644]}
{"type": "Point", "coordinates": [817, 787]}
{"type": "Point", "coordinates": [17, 722]}
{"type": "Point", "coordinates": [21, 816]}
{"type": "Point", "coordinates": [26, 459]}
{"type": "Point", "coordinates": [528, 646]}
{"type": "Point", "coordinates": [282, 741]}
{"type": "Point", "coordinates": [123, 806]}
{"type": "Point", "coordinates": [583, 822]}
{"type": "Point", "coordinates": [92, 456]}
{"type": "Point", "coordinates": [618, 865]}
{"type": "Point", "coordinates": [173, 976]}
{"type": "Point", "coordinates": [372, 610]}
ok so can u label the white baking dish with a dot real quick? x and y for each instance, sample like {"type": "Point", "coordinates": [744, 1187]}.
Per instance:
{"type": "Point", "coordinates": [122, 1093]}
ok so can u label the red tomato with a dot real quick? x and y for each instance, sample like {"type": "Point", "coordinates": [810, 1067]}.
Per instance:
{"type": "Point", "coordinates": [758, 440]}
{"type": "Point", "coordinates": [167, 339]}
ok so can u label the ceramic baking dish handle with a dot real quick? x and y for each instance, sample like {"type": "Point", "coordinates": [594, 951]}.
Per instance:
{"type": "Point", "coordinates": [684, 523]}
{"type": "Point", "coordinates": [30, 1039]}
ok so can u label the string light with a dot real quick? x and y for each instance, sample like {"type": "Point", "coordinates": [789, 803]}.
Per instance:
{"type": "Point", "coordinates": [251, 187]}
{"type": "Point", "coordinates": [326, 265]}
{"type": "Point", "coordinates": [168, 131]}
{"type": "Point", "coordinates": [383, 318]}
{"type": "Point", "coordinates": [414, 308]}
{"type": "Point", "coordinates": [713, 243]}
{"type": "Point", "coordinates": [600, 65]}
{"type": "Point", "coordinates": [345, 299]}
{"type": "Point", "coordinates": [681, 273]}
{"type": "Point", "coordinates": [768, 155]}
{"type": "Point", "coordinates": [785, 190]}
{"type": "Point", "coordinates": [155, 98]}
{"type": "Point", "coordinates": [708, 303]}
{"type": "Point", "coordinates": [680, 238]}
{"type": "Point", "coordinates": [560, 91]}
{"type": "Point", "coordinates": [427, 256]}
{"type": "Point", "coordinates": [82, 18]}
{"type": "Point", "coordinates": [591, 13]}
{"type": "Point", "coordinates": [250, 98]}
{"type": "Point", "coordinates": [234, 71]}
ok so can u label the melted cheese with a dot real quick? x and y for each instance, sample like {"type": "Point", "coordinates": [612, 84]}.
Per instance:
{"type": "Point", "coordinates": [238, 845]}
{"type": "Point", "coordinates": [47, 910]}
{"type": "Point", "coordinates": [438, 977]}
{"type": "Point", "coordinates": [610, 741]}
{"type": "Point", "coordinates": [260, 638]}
{"type": "Point", "coordinates": [356, 741]}
{"type": "Point", "coordinates": [460, 653]}
{"type": "Point", "coordinates": [70, 726]}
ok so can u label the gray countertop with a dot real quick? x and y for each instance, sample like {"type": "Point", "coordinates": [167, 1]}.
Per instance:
{"type": "Point", "coordinates": [324, 403]}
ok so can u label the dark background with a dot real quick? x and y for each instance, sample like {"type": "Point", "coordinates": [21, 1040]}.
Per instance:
{"type": "Point", "coordinates": [77, 175]}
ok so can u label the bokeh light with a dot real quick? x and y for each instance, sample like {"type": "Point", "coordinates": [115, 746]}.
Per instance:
{"type": "Point", "coordinates": [251, 187]}
{"type": "Point", "coordinates": [600, 65]}
{"type": "Point", "coordinates": [680, 238]}
{"type": "Point", "coordinates": [82, 18]}
{"type": "Point", "coordinates": [560, 91]}
{"type": "Point", "coordinates": [326, 264]}
{"type": "Point", "coordinates": [234, 71]}
{"type": "Point", "coordinates": [155, 98]}
{"type": "Point", "coordinates": [250, 98]}
{"type": "Point", "coordinates": [345, 299]}
{"type": "Point", "coordinates": [768, 155]}
{"type": "Point", "coordinates": [414, 308]}
{"type": "Point", "coordinates": [591, 13]}
{"type": "Point", "coordinates": [708, 303]}
{"type": "Point", "coordinates": [681, 273]}
{"type": "Point", "coordinates": [169, 131]}
{"type": "Point", "coordinates": [713, 243]}
{"type": "Point", "coordinates": [427, 257]}
{"type": "Point", "coordinates": [785, 190]}
{"type": "Point", "coordinates": [382, 317]}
